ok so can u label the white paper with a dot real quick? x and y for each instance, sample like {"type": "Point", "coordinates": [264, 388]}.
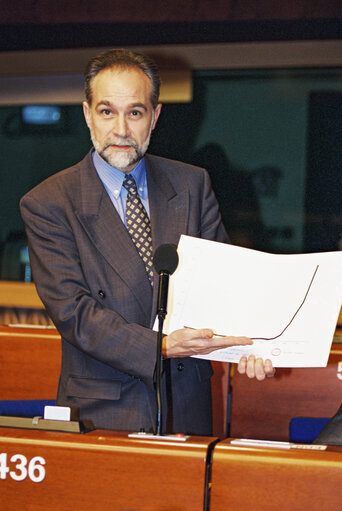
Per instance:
{"type": "Point", "coordinates": [288, 304]}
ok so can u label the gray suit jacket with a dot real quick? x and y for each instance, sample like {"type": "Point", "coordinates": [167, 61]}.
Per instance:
{"type": "Point", "coordinates": [95, 288]}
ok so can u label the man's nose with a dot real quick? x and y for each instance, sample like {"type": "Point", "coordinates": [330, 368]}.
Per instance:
{"type": "Point", "coordinates": [120, 126]}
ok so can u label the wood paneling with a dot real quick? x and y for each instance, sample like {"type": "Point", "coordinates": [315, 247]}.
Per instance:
{"type": "Point", "coordinates": [19, 294]}
{"type": "Point", "coordinates": [268, 479]}
{"type": "Point", "coordinates": [30, 361]}
{"type": "Point", "coordinates": [106, 470]}
{"type": "Point", "coordinates": [219, 387]}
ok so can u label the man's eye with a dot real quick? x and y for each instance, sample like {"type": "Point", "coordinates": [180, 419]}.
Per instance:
{"type": "Point", "coordinates": [105, 112]}
{"type": "Point", "coordinates": [135, 113]}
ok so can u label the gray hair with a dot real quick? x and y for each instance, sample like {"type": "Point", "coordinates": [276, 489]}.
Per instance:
{"type": "Point", "coordinates": [123, 59]}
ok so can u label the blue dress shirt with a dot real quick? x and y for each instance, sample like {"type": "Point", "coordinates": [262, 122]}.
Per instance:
{"type": "Point", "coordinates": [112, 180]}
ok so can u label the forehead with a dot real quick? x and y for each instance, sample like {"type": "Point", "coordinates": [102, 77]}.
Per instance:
{"type": "Point", "coordinates": [121, 85]}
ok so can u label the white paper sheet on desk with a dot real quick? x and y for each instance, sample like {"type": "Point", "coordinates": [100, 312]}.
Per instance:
{"type": "Point", "coordinates": [288, 304]}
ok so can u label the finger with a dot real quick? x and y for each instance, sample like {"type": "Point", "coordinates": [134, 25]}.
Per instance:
{"type": "Point", "coordinates": [259, 369]}
{"type": "Point", "coordinates": [220, 340]}
{"type": "Point", "coordinates": [269, 369]}
{"type": "Point", "coordinates": [250, 369]}
{"type": "Point", "coordinates": [216, 341]}
{"type": "Point", "coordinates": [242, 365]}
{"type": "Point", "coordinates": [226, 342]}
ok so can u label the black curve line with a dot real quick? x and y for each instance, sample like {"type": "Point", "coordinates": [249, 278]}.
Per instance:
{"type": "Point", "coordinates": [289, 323]}
{"type": "Point", "coordinates": [293, 317]}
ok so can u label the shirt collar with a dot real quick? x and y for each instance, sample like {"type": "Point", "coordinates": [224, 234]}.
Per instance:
{"type": "Point", "coordinates": [113, 177]}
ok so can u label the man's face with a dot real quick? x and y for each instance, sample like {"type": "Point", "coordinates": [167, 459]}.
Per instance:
{"type": "Point", "coordinates": [121, 117]}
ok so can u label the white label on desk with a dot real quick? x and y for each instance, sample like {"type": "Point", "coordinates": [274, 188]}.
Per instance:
{"type": "Point", "coordinates": [274, 444]}
{"type": "Point", "coordinates": [57, 413]}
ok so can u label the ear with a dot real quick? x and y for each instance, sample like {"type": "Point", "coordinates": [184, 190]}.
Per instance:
{"type": "Point", "coordinates": [157, 111]}
{"type": "Point", "coordinates": [86, 112]}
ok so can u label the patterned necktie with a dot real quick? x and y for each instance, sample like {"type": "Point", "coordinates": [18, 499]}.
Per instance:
{"type": "Point", "coordinates": [138, 225]}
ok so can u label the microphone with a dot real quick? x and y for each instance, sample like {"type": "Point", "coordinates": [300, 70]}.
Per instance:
{"type": "Point", "coordinates": [165, 261]}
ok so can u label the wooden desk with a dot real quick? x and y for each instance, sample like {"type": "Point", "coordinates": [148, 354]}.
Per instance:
{"type": "Point", "coordinates": [261, 479]}
{"type": "Point", "coordinates": [19, 294]}
{"type": "Point", "coordinates": [30, 361]}
{"type": "Point", "coordinates": [104, 470]}
{"type": "Point", "coordinates": [264, 409]}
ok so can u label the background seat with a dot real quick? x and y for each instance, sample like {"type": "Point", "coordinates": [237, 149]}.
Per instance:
{"type": "Point", "coordinates": [304, 430]}
{"type": "Point", "coordinates": [25, 407]}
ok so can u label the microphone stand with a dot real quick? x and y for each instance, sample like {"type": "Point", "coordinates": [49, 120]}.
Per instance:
{"type": "Point", "coordinates": [159, 370]}
{"type": "Point", "coordinates": [161, 312]}
{"type": "Point", "coordinates": [165, 261]}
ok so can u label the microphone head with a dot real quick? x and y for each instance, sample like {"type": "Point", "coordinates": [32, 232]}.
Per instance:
{"type": "Point", "coordinates": [165, 258]}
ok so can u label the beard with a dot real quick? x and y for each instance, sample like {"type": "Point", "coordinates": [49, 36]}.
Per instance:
{"type": "Point", "coordinates": [121, 160]}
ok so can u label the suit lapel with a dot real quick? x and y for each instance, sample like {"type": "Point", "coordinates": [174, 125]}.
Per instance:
{"type": "Point", "coordinates": [168, 209]}
{"type": "Point", "coordinates": [108, 233]}
{"type": "Point", "coordinates": [168, 212]}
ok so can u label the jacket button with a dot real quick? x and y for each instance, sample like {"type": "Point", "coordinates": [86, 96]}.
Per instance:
{"type": "Point", "coordinates": [180, 366]}
{"type": "Point", "coordinates": [101, 293]}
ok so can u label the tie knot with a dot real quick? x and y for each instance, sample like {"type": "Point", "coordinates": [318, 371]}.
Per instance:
{"type": "Point", "coordinates": [130, 184]}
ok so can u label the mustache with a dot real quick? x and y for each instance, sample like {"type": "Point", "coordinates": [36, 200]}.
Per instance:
{"type": "Point", "coordinates": [124, 141]}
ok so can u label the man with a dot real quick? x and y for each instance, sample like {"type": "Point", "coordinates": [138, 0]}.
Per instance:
{"type": "Point", "coordinates": [95, 284]}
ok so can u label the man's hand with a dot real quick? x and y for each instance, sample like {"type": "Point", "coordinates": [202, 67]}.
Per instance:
{"type": "Point", "coordinates": [256, 367]}
{"type": "Point", "coordinates": [187, 341]}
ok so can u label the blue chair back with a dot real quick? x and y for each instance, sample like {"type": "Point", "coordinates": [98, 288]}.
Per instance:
{"type": "Point", "coordinates": [304, 430]}
{"type": "Point", "coordinates": [25, 407]}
